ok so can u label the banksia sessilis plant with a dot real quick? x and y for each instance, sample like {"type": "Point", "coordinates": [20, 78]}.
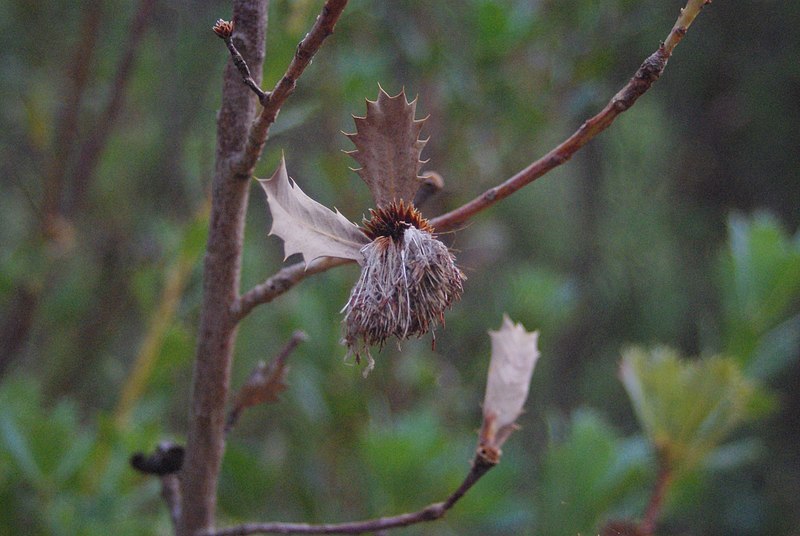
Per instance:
{"type": "Point", "coordinates": [408, 277]}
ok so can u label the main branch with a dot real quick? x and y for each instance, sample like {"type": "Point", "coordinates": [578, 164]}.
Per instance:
{"type": "Point", "coordinates": [642, 80]}
{"type": "Point", "coordinates": [222, 266]}
{"type": "Point", "coordinates": [240, 140]}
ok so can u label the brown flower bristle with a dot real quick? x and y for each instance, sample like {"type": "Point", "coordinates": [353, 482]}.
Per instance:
{"type": "Point", "coordinates": [393, 220]}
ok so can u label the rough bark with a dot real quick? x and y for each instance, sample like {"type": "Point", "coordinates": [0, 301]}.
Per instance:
{"type": "Point", "coordinates": [217, 336]}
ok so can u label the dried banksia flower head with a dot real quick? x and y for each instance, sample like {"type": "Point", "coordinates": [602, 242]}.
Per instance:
{"type": "Point", "coordinates": [408, 277]}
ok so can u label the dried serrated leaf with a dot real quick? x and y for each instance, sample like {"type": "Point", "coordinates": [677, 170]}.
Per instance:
{"type": "Point", "coordinates": [263, 386]}
{"type": "Point", "coordinates": [307, 227]}
{"type": "Point", "coordinates": [388, 148]}
{"type": "Point", "coordinates": [514, 354]}
{"type": "Point", "coordinates": [265, 383]}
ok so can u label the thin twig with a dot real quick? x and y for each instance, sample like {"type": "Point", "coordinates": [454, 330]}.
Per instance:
{"type": "Point", "coordinates": [224, 30]}
{"type": "Point", "coordinates": [171, 493]}
{"type": "Point", "coordinates": [432, 512]}
{"type": "Point", "coordinates": [279, 283]}
{"type": "Point", "coordinates": [17, 323]}
{"type": "Point", "coordinates": [648, 73]}
{"type": "Point", "coordinates": [259, 130]}
{"type": "Point", "coordinates": [656, 502]}
{"type": "Point", "coordinates": [642, 80]}
{"type": "Point", "coordinates": [69, 114]}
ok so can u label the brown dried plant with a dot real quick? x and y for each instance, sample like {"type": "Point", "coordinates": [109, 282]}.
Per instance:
{"type": "Point", "coordinates": [408, 277]}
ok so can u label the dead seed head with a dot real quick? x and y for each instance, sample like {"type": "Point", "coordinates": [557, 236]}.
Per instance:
{"type": "Point", "coordinates": [408, 279]}
{"type": "Point", "coordinates": [223, 28]}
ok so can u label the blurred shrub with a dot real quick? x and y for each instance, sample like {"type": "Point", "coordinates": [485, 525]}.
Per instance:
{"type": "Point", "coordinates": [62, 476]}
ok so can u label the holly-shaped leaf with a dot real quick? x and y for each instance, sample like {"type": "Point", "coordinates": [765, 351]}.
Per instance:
{"type": "Point", "coordinates": [306, 226]}
{"type": "Point", "coordinates": [388, 148]}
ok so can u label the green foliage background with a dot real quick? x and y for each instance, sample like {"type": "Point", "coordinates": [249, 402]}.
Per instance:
{"type": "Point", "coordinates": [678, 226]}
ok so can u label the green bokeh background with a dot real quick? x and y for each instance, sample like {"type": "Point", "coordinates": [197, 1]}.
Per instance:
{"type": "Point", "coordinates": [676, 227]}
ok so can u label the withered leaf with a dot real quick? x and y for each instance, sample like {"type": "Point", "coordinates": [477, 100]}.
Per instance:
{"type": "Point", "coordinates": [307, 227]}
{"type": "Point", "coordinates": [514, 354]}
{"type": "Point", "coordinates": [264, 385]}
{"type": "Point", "coordinates": [388, 148]}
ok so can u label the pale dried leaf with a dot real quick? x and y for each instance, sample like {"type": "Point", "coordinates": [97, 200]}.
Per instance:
{"type": "Point", "coordinates": [388, 148]}
{"type": "Point", "coordinates": [306, 226]}
{"type": "Point", "coordinates": [514, 354]}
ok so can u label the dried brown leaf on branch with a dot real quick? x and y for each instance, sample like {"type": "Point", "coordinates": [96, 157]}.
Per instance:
{"type": "Point", "coordinates": [265, 383]}
{"type": "Point", "coordinates": [307, 227]}
{"type": "Point", "coordinates": [388, 148]}
{"type": "Point", "coordinates": [514, 354]}
{"type": "Point", "coordinates": [263, 386]}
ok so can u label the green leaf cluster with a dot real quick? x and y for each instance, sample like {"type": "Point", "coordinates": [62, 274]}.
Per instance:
{"type": "Point", "coordinates": [687, 408]}
{"type": "Point", "coordinates": [60, 475]}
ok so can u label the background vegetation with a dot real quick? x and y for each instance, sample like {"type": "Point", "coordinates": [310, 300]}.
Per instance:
{"type": "Point", "coordinates": [678, 226]}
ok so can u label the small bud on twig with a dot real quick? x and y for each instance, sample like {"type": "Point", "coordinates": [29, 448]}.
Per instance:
{"type": "Point", "coordinates": [432, 184]}
{"type": "Point", "coordinates": [223, 28]}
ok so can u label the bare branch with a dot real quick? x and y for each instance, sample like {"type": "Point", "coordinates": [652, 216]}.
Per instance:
{"type": "Point", "coordinates": [642, 80]}
{"type": "Point", "coordinates": [259, 130]}
{"type": "Point", "coordinates": [432, 512]}
{"type": "Point", "coordinates": [68, 116]}
{"type": "Point", "coordinates": [279, 283]}
{"type": "Point", "coordinates": [171, 493]}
